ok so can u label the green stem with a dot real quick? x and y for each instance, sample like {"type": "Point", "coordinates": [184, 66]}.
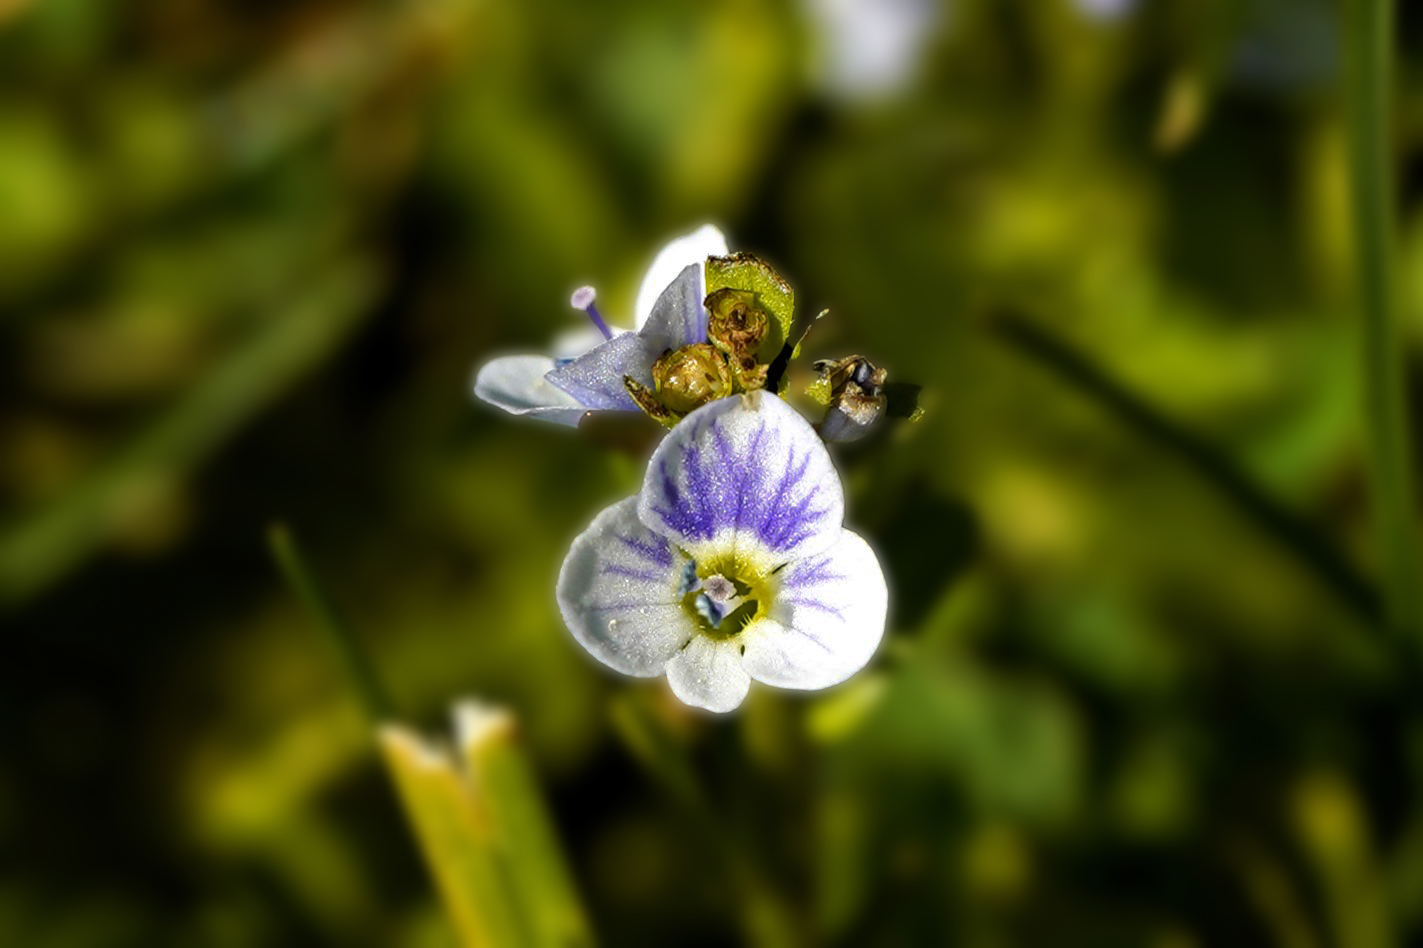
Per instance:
{"type": "Point", "coordinates": [294, 569]}
{"type": "Point", "coordinates": [1368, 38]}
{"type": "Point", "coordinates": [1293, 534]}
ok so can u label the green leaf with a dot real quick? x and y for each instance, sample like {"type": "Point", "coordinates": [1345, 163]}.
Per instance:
{"type": "Point", "coordinates": [744, 271]}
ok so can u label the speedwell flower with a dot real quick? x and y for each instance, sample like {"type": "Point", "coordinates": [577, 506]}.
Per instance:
{"type": "Point", "coordinates": [730, 564]}
{"type": "Point", "coordinates": [587, 368]}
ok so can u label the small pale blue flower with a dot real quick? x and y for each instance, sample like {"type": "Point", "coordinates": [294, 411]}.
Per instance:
{"type": "Point", "coordinates": [585, 371]}
{"type": "Point", "coordinates": [730, 564]}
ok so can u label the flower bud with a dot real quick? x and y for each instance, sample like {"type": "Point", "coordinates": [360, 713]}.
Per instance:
{"type": "Point", "coordinates": [689, 377]}
{"type": "Point", "coordinates": [851, 416]}
{"type": "Point", "coordinates": [852, 390]}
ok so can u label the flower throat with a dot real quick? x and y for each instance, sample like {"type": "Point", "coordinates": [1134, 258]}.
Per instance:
{"type": "Point", "coordinates": [724, 594]}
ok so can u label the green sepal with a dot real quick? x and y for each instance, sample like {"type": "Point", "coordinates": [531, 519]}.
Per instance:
{"type": "Point", "coordinates": [820, 391]}
{"type": "Point", "coordinates": [744, 271]}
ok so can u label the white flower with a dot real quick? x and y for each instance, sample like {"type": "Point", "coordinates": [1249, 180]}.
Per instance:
{"type": "Point", "coordinates": [871, 49]}
{"type": "Point", "coordinates": [1106, 9]}
{"type": "Point", "coordinates": [586, 369]}
{"type": "Point", "coordinates": [730, 564]}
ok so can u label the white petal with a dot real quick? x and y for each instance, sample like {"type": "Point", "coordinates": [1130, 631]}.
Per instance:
{"type": "Point", "coordinates": [1106, 9]}
{"type": "Point", "coordinates": [745, 475]}
{"type": "Point", "coordinates": [826, 621]}
{"type": "Point", "coordinates": [620, 592]}
{"type": "Point", "coordinates": [708, 674]}
{"type": "Point", "coordinates": [517, 385]}
{"type": "Point", "coordinates": [678, 317]}
{"type": "Point", "coordinates": [705, 241]}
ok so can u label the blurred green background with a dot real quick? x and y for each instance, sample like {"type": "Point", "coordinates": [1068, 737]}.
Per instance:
{"type": "Point", "coordinates": [1133, 691]}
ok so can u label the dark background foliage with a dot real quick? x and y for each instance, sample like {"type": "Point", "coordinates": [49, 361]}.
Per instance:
{"type": "Point", "coordinates": [1133, 691]}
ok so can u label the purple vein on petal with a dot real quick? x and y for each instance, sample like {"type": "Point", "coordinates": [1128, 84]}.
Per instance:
{"type": "Point", "coordinates": [618, 606]}
{"type": "Point", "coordinates": [726, 455]}
{"type": "Point", "coordinates": [797, 521]}
{"type": "Point", "coordinates": [818, 605]}
{"type": "Point", "coordinates": [655, 550]}
{"type": "Point", "coordinates": [699, 487]}
{"type": "Point", "coordinates": [618, 569]}
{"type": "Point", "coordinates": [678, 513]}
{"type": "Point", "coordinates": [786, 523]}
{"type": "Point", "coordinates": [813, 573]}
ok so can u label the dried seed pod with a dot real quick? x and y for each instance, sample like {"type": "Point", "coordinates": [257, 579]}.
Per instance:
{"type": "Point", "coordinates": [736, 325]}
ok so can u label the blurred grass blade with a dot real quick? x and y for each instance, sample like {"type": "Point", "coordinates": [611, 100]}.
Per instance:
{"type": "Point", "coordinates": [1332, 830]}
{"type": "Point", "coordinates": [332, 622]}
{"type": "Point", "coordinates": [457, 840]}
{"type": "Point", "coordinates": [658, 753]}
{"type": "Point", "coordinates": [39, 549]}
{"type": "Point", "coordinates": [1271, 890]}
{"type": "Point", "coordinates": [502, 779]}
{"type": "Point", "coordinates": [1292, 533]}
{"type": "Point", "coordinates": [1368, 40]}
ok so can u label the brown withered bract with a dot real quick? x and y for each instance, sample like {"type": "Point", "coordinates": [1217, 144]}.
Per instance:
{"type": "Point", "coordinates": [648, 401]}
{"type": "Point", "coordinates": [736, 324]}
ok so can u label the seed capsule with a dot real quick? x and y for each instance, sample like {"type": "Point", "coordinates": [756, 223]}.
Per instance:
{"type": "Point", "coordinates": [689, 377]}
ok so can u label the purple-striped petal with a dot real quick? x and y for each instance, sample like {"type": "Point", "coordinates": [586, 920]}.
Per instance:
{"type": "Point", "coordinates": [620, 592]}
{"type": "Point", "coordinates": [825, 622]}
{"type": "Point", "coordinates": [745, 475]}
{"type": "Point", "coordinates": [596, 378]}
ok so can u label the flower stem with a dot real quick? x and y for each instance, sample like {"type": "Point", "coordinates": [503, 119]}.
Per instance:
{"type": "Point", "coordinates": [766, 921]}
{"type": "Point", "coordinates": [298, 574]}
{"type": "Point", "coordinates": [1368, 39]}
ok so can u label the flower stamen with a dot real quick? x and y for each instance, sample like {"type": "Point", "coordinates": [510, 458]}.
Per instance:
{"type": "Point", "coordinates": [583, 298]}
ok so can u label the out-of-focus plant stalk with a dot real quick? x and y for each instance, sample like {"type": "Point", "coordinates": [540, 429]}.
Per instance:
{"type": "Point", "coordinates": [477, 810]}
{"type": "Point", "coordinates": [486, 835]}
{"type": "Point", "coordinates": [767, 922]}
{"type": "Point", "coordinates": [499, 773]}
{"type": "Point", "coordinates": [1294, 535]}
{"type": "Point", "coordinates": [457, 840]}
{"type": "Point", "coordinates": [41, 547]}
{"type": "Point", "coordinates": [338, 631]}
{"type": "Point", "coordinates": [1368, 40]}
